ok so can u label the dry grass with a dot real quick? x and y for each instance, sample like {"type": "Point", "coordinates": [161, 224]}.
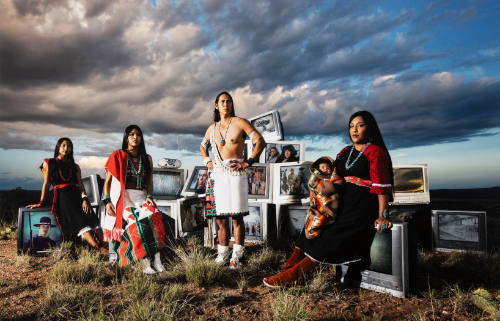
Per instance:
{"type": "Point", "coordinates": [23, 260]}
{"type": "Point", "coordinates": [289, 306]}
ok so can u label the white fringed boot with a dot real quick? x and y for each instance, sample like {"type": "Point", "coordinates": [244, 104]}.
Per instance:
{"type": "Point", "coordinates": [222, 254]}
{"type": "Point", "coordinates": [147, 266]}
{"type": "Point", "coordinates": [238, 252]}
{"type": "Point", "coordinates": [157, 263]}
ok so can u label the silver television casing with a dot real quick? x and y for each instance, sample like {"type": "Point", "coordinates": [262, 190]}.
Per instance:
{"type": "Point", "coordinates": [93, 189]}
{"type": "Point", "coordinates": [418, 197]}
{"type": "Point", "coordinates": [176, 195]}
{"type": "Point", "coordinates": [277, 133]}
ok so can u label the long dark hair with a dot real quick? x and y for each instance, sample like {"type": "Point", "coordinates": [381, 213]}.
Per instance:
{"type": "Point", "coordinates": [142, 146]}
{"type": "Point", "coordinates": [58, 145]}
{"type": "Point", "coordinates": [373, 133]}
{"type": "Point", "coordinates": [216, 111]}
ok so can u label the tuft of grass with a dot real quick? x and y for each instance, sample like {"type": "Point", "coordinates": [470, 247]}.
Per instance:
{"type": "Point", "coordinates": [288, 306]}
{"type": "Point", "coordinates": [319, 282]}
{"type": "Point", "coordinates": [13, 285]}
{"type": "Point", "coordinates": [419, 316]}
{"type": "Point", "coordinates": [23, 260]}
{"type": "Point", "coordinates": [67, 301]}
{"type": "Point", "coordinates": [375, 317]}
{"type": "Point", "coordinates": [486, 305]}
{"type": "Point", "coordinates": [264, 259]}
{"type": "Point", "coordinates": [63, 252]}
{"type": "Point", "coordinates": [242, 284]}
{"type": "Point", "coordinates": [197, 264]}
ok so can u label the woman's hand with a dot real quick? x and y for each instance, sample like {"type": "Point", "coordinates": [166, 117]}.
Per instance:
{"type": "Point", "coordinates": [150, 201]}
{"type": "Point", "coordinates": [383, 223]}
{"type": "Point", "coordinates": [110, 209]}
{"type": "Point", "coordinates": [86, 206]}
{"type": "Point", "coordinates": [34, 205]}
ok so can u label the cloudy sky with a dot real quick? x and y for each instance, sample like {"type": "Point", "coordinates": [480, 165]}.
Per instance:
{"type": "Point", "coordinates": [428, 71]}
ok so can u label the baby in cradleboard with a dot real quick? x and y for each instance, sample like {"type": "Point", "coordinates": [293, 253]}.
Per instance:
{"type": "Point", "coordinates": [324, 196]}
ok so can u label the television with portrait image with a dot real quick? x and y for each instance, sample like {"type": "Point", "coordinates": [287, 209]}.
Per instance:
{"type": "Point", "coordinates": [190, 216]}
{"type": "Point", "coordinates": [392, 259]}
{"type": "Point", "coordinates": [196, 182]}
{"type": "Point", "coordinates": [268, 125]}
{"type": "Point", "coordinates": [37, 230]}
{"type": "Point", "coordinates": [259, 223]}
{"type": "Point", "coordinates": [283, 152]}
{"type": "Point", "coordinates": [411, 184]}
{"type": "Point", "coordinates": [168, 183]}
{"type": "Point", "coordinates": [93, 185]}
{"type": "Point", "coordinates": [259, 182]}
{"type": "Point", "coordinates": [455, 230]}
{"type": "Point", "coordinates": [290, 182]}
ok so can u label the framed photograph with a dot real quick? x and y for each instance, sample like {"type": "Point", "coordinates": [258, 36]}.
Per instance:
{"type": "Point", "coordinates": [268, 125]}
{"type": "Point", "coordinates": [259, 182]}
{"type": "Point", "coordinates": [191, 216]}
{"type": "Point", "coordinates": [37, 230]}
{"type": "Point", "coordinates": [290, 182]}
{"type": "Point", "coordinates": [196, 182]}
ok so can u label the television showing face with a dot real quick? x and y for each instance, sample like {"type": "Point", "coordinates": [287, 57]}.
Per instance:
{"type": "Point", "coordinates": [268, 125]}
{"type": "Point", "coordinates": [459, 230]}
{"type": "Point", "coordinates": [191, 216]}
{"type": "Point", "coordinates": [38, 230]}
{"type": "Point", "coordinates": [197, 181]}
{"type": "Point", "coordinates": [259, 183]}
{"type": "Point", "coordinates": [290, 182]}
{"type": "Point", "coordinates": [411, 184]}
{"type": "Point", "coordinates": [389, 268]}
{"type": "Point", "coordinates": [168, 183]}
{"type": "Point", "coordinates": [284, 152]}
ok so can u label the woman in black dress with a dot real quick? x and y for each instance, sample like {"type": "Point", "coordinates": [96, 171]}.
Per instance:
{"type": "Point", "coordinates": [70, 205]}
{"type": "Point", "coordinates": [367, 170]}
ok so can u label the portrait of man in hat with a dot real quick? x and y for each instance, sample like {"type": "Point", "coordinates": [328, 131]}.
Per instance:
{"type": "Point", "coordinates": [41, 241]}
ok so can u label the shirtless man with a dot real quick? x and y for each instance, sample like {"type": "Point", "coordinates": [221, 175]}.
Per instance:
{"type": "Point", "coordinates": [228, 196]}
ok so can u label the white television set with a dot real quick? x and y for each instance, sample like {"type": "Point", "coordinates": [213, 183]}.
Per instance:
{"type": "Point", "coordinates": [287, 151]}
{"type": "Point", "coordinates": [257, 223]}
{"type": "Point", "coordinates": [93, 185]}
{"type": "Point", "coordinates": [411, 184]}
{"type": "Point", "coordinates": [268, 125]}
{"type": "Point", "coordinates": [169, 208]}
{"type": "Point", "coordinates": [290, 182]}
{"type": "Point", "coordinates": [168, 183]}
{"type": "Point", "coordinates": [260, 183]}
{"type": "Point", "coordinates": [391, 260]}
{"type": "Point", "coordinates": [196, 182]}
{"type": "Point", "coordinates": [190, 216]}
{"type": "Point", "coordinates": [455, 230]}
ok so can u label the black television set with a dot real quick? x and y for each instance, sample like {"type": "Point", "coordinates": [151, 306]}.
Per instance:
{"type": "Point", "coordinates": [37, 230]}
{"type": "Point", "coordinates": [197, 182]}
{"type": "Point", "coordinates": [168, 183]}
{"type": "Point", "coordinates": [93, 185]}
{"type": "Point", "coordinates": [419, 218]}
{"type": "Point", "coordinates": [391, 261]}
{"type": "Point", "coordinates": [291, 220]}
{"type": "Point", "coordinates": [456, 230]}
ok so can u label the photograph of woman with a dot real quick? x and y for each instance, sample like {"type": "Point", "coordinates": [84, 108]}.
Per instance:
{"type": "Point", "coordinates": [70, 205]}
{"type": "Point", "coordinates": [133, 223]}
{"type": "Point", "coordinates": [366, 168]}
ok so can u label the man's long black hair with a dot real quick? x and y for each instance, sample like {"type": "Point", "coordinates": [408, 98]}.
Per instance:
{"type": "Point", "coordinates": [216, 111]}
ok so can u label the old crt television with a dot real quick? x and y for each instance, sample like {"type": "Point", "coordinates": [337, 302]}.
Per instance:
{"type": "Point", "coordinates": [275, 151]}
{"type": "Point", "coordinates": [37, 230]}
{"type": "Point", "coordinates": [459, 230]}
{"type": "Point", "coordinates": [291, 220]}
{"type": "Point", "coordinates": [196, 182]}
{"type": "Point", "coordinates": [169, 208]}
{"type": "Point", "coordinates": [419, 218]}
{"type": "Point", "coordinates": [168, 183]}
{"type": "Point", "coordinates": [389, 270]}
{"type": "Point", "coordinates": [411, 184]}
{"type": "Point", "coordinates": [268, 125]}
{"type": "Point", "coordinates": [290, 182]}
{"type": "Point", "coordinates": [260, 183]}
{"type": "Point", "coordinates": [259, 223]}
{"type": "Point", "coordinates": [93, 187]}
{"type": "Point", "coordinates": [190, 216]}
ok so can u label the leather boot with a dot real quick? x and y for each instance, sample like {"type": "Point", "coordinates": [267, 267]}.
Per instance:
{"type": "Point", "coordinates": [296, 257]}
{"type": "Point", "coordinates": [157, 263]}
{"type": "Point", "coordinates": [291, 275]}
{"type": "Point", "coordinates": [147, 266]}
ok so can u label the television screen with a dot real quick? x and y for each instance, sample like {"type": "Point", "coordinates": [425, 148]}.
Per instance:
{"type": "Point", "coordinates": [411, 185]}
{"type": "Point", "coordinates": [197, 181]}
{"type": "Point", "coordinates": [390, 262]}
{"type": "Point", "coordinates": [296, 219]}
{"type": "Point", "coordinates": [268, 125]}
{"type": "Point", "coordinates": [459, 230]}
{"type": "Point", "coordinates": [256, 224]}
{"type": "Point", "coordinates": [167, 183]}
{"type": "Point", "coordinates": [191, 217]}
{"type": "Point", "coordinates": [37, 230]}
{"type": "Point", "coordinates": [259, 184]}
{"type": "Point", "coordinates": [284, 152]}
{"type": "Point", "coordinates": [290, 182]}
{"type": "Point", "coordinates": [92, 188]}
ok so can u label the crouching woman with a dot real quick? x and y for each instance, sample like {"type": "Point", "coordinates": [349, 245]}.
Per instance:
{"type": "Point", "coordinates": [133, 223]}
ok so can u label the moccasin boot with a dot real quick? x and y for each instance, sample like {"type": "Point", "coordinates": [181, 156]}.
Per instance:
{"type": "Point", "coordinates": [296, 257]}
{"type": "Point", "coordinates": [157, 263]}
{"type": "Point", "coordinates": [222, 254]}
{"type": "Point", "coordinates": [291, 275]}
{"type": "Point", "coordinates": [147, 266]}
{"type": "Point", "coordinates": [238, 252]}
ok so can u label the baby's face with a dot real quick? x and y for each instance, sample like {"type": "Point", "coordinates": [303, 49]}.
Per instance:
{"type": "Point", "coordinates": [325, 168]}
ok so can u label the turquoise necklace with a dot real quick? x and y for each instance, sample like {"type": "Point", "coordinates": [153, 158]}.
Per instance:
{"type": "Point", "coordinates": [348, 163]}
{"type": "Point", "coordinates": [135, 171]}
{"type": "Point", "coordinates": [223, 140]}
